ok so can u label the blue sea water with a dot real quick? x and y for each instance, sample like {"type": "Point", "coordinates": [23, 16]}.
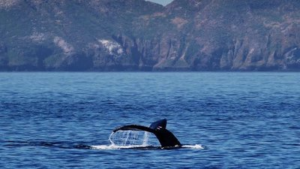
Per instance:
{"type": "Point", "coordinates": [243, 120]}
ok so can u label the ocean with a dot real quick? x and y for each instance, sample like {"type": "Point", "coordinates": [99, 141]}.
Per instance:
{"type": "Point", "coordinates": [225, 120]}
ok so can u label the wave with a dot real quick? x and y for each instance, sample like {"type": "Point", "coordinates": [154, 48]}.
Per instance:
{"type": "Point", "coordinates": [71, 145]}
{"type": "Point", "coordinates": [196, 146]}
{"type": "Point", "coordinates": [116, 147]}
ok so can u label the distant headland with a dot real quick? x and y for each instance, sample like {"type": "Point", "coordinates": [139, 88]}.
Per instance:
{"type": "Point", "coordinates": [138, 35]}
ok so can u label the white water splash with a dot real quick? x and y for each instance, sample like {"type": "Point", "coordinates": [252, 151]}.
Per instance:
{"type": "Point", "coordinates": [196, 146]}
{"type": "Point", "coordinates": [116, 147]}
{"type": "Point", "coordinates": [129, 138]}
{"type": "Point", "coordinates": [135, 139]}
{"type": "Point", "coordinates": [146, 138]}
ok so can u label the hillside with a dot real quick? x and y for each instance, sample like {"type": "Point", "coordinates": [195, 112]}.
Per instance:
{"type": "Point", "coordinates": [137, 35]}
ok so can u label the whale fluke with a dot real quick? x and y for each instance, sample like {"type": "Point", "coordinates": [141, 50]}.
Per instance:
{"type": "Point", "coordinates": [158, 128]}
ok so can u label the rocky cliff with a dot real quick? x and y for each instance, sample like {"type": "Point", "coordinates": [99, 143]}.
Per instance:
{"type": "Point", "coordinates": [137, 35]}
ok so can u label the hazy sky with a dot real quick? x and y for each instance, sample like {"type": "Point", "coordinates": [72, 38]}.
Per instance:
{"type": "Point", "coordinates": [163, 2]}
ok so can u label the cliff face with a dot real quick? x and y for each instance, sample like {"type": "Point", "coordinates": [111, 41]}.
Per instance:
{"type": "Point", "coordinates": [116, 35]}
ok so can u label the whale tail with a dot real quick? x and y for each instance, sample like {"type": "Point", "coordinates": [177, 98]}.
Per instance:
{"type": "Point", "coordinates": [158, 128]}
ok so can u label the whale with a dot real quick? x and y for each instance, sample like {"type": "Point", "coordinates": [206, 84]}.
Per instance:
{"type": "Point", "coordinates": [166, 138]}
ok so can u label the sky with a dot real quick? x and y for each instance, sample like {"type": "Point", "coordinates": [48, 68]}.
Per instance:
{"type": "Point", "coordinates": [163, 2]}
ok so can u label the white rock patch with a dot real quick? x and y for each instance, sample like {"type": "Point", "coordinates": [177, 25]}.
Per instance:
{"type": "Point", "coordinates": [60, 42]}
{"type": "Point", "coordinates": [111, 46]}
{"type": "Point", "coordinates": [8, 3]}
{"type": "Point", "coordinates": [38, 37]}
